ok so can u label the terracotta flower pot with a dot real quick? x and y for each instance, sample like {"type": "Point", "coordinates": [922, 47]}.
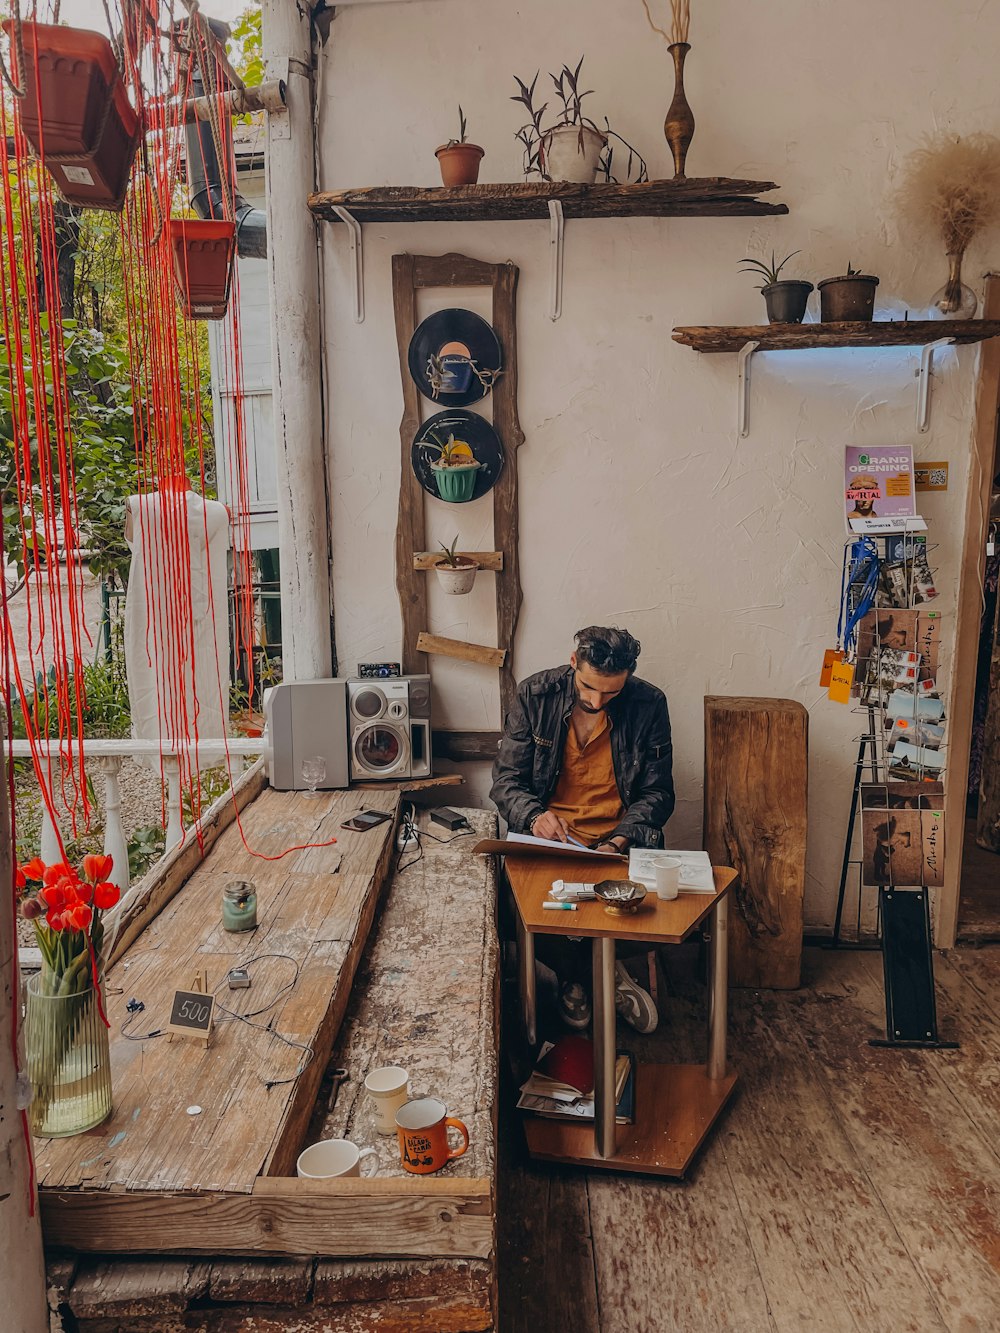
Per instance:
{"type": "Point", "coordinates": [458, 578]}
{"type": "Point", "coordinates": [850, 297]}
{"type": "Point", "coordinates": [459, 163]}
{"type": "Point", "coordinates": [203, 253]}
{"type": "Point", "coordinates": [76, 114]}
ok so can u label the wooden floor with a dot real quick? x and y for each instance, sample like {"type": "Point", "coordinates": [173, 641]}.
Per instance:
{"type": "Point", "coordinates": [847, 1188]}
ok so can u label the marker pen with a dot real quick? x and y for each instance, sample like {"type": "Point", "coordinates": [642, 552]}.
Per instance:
{"type": "Point", "coordinates": [558, 907]}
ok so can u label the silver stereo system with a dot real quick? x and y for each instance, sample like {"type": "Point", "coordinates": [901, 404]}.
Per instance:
{"type": "Point", "coordinates": [306, 719]}
{"type": "Point", "coordinates": [389, 728]}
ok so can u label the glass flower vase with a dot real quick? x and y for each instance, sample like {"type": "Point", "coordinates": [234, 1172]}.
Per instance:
{"type": "Point", "coordinates": [955, 300]}
{"type": "Point", "coordinates": [68, 1060]}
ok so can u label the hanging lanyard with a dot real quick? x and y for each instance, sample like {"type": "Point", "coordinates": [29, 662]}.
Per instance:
{"type": "Point", "coordinates": [860, 573]}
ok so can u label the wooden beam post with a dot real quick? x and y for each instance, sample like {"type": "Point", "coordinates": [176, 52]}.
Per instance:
{"type": "Point", "coordinates": [22, 1267]}
{"type": "Point", "coordinates": [967, 616]}
{"type": "Point", "coordinates": [296, 340]}
{"type": "Point", "coordinates": [756, 771]}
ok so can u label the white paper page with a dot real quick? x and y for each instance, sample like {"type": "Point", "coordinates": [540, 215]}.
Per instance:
{"type": "Point", "coordinates": [696, 868]}
{"type": "Point", "coordinates": [562, 846]}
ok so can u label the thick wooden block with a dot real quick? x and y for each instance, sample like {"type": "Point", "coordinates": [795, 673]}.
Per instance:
{"type": "Point", "coordinates": [756, 770]}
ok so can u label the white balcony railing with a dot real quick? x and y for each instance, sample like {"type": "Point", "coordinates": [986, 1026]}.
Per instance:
{"type": "Point", "coordinates": [107, 757]}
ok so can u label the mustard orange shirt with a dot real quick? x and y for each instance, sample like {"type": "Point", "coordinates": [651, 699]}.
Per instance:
{"type": "Point", "coordinates": [586, 794]}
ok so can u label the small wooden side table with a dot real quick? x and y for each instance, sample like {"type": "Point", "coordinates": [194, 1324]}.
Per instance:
{"type": "Point", "coordinates": [675, 1105]}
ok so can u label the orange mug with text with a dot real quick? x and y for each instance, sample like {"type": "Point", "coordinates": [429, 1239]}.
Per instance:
{"type": "Point", "coordinates": [422, 1129]}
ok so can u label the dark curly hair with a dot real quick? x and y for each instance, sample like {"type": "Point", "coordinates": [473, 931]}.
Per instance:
{"type": "Point", "coordinates": [607, 650]}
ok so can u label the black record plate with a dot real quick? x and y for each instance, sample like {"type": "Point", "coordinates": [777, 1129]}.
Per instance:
{"type": "Point", "coordinates": [458, 338]}
{"type": "Point", "coordinates": [482, 440]}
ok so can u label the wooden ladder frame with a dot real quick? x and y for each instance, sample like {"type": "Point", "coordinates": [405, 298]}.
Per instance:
{"type": "Point", "coordinates": [411, 273]}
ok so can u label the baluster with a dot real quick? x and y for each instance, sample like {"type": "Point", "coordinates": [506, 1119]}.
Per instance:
{"type": "Point", "coordinates": [50, 851]}
{"type": "Point", "coordinates": [115, 845]}
{"type": "Point", "coordinates": [175, 829]}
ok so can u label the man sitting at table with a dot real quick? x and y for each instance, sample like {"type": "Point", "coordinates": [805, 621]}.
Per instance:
{"type": "Point", "coordinates": [586, 754]}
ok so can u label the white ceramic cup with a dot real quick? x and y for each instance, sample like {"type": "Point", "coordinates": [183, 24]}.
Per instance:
{"type": "Point", "coordinates": [333, 1157]}
{"type": "Point", "coordinates": [667, 870]}
{"type": "Point", "coordinates": [387, 1089]}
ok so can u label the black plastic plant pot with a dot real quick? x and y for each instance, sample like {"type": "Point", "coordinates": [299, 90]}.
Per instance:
{"type": "Point", "coordinates": [786, 301]}
{"type": "Point", "coordinates": [847, 298]}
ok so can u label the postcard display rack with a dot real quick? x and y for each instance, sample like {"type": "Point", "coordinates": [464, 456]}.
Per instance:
{"type": "Point", "coordinates": [886, 666]}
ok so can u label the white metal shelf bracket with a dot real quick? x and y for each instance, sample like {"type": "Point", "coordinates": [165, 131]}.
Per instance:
{"type": "Point", "coordinates": [557, 227]}
{"type": "Point", "coordinates": [743, 385]}
{"type": "Point", "coordinates": [358, 256]}
{"type": "Point", "coordinates": [924, 383]}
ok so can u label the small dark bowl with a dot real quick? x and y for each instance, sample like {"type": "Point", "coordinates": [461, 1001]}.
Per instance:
{"type": "Point", "coordinates": [621, 897]}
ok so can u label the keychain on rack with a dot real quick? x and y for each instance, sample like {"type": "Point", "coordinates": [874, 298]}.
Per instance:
{"type": "Point", "coordinates": [858, 586]}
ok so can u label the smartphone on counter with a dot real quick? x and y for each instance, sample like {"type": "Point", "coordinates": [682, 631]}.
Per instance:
{"type": "Point", "coordinates": [365, 819]}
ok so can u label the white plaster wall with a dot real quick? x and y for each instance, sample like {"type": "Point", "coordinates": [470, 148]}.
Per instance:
{"type": "Point", "coordinates": [639, 504]}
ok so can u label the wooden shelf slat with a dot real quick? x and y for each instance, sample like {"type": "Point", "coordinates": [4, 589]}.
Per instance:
{"type": "Point", "coordinates": [492, 560]}
{"type": "Point", "coordinates": [460, 746]}
{"type": "Point", "coordinates": [713, 196]}
{"type": "Point", "coordinates": [802, 337]}
{"type": "Point", "coordinates": [463, 652]}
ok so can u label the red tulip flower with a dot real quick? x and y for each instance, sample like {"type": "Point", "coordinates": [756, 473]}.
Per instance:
{"type": "Point", "coordinates": [106, 895]}
{"type": "Point", "coordinates": [57, 872]}
{"type": "Point", "coordinates": [20, 882]}
{"type": "Point", "coordinates": [96, 868]}
{"type": "Point", "coordinates": [34, 869]}
{"type": "Point", "coordinates": [80, 916]}
{"type": "Point", "coordinates": [54, 896]}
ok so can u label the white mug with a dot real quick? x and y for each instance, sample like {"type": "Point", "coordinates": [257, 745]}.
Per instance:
{"type": "Point", "coordinates": [667, 870]}
{"type": "Point", "coordinates": [387, 1089]}
{"type": "Point", "coordinates": [332, 1157]}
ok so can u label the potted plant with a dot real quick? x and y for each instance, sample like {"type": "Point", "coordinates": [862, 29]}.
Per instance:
{"type": "Point", "coordinates": [459, 159]}
{"type": "Point", "coordinates": [74, 110]}
{"type": "Point", "coordinates": [454, 470]}
{"type": "Point", "coordinates": [456, 573]}
{"type": "Point", "coordinates": [570, 149]}
{"type": "Point", "coordinates": [785, 298]}
{"type": "Point", "coordinates": [203, 252]}
{"type": "Point", "coordinates": [848, 297]}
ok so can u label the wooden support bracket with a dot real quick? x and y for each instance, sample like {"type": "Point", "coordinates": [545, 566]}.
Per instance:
{"type": "Point", "coordinates": [464, 652]}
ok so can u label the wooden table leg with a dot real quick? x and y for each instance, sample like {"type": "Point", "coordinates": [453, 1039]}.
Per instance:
{"type": "Point", "coordinates": [718, 992]}
{"type": "Point", "coordinates": [526, 981]}
{"type": "Point", "coordinates": [604, 1047]}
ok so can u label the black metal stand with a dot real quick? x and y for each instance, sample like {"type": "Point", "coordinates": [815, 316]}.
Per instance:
{"type": "Point", "coordinates": [867, 756]}
{"type": "Point", "coordinates": [908, 967]}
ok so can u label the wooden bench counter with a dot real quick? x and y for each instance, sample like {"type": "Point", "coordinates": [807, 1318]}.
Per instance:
{"type": "Point", "coordinates": [424, 996]}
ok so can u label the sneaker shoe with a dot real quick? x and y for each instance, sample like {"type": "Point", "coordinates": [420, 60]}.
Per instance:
{"type": "Point", "coordinates": [574, 1006]}
{"type": "Point", "coordinates": [633, 1003]}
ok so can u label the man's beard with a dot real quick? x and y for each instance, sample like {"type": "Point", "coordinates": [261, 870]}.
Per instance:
{"type": "Point", "coordinates": [588, 708]}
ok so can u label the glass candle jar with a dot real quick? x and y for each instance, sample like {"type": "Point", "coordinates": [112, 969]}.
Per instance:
{"type": "Point", "coordinates": [239, 905]}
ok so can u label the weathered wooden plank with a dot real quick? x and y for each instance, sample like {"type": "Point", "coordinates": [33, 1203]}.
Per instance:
{"type": "Point", "coordinates": [505, 504]}
{"type": "Point", "coordinates": [426, 1314]}
{"type": "Point", "coordinates": [756, 778]}
{"type": "Point", "coordinates": [410, 526]}
{"type": "Point", "coordinates": [429, 1009]}
{"type": "Point", "coordinates": [465, 745]}
{"type": "Point", "coordinates": [934, 1167]}
{"type": "Point", "coordinates": [827, 1248]}
{"type": "Point", "coordinates": [514, 201]}
{"type": "Point", "coordinates": [463, 652]}
{"type": "Point", "coordinates": [260, 1281]}
{"type": "Point", "coordinates": [484, 559]}
{"type": "Point", "coordinates": [167, 877]}
{"type": "Point", "coordinates": [252, 1088]}
{"type": "Point", "coordinates": [131, 1291]}
{"type": "Point", "coordinates": [359, 1217]}
{"type": "Point", "coordinates": [876, 333]}
{"type": "Point", "coordinates": [349, 1281]}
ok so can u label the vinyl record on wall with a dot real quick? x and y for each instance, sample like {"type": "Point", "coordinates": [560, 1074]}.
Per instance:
{"type": "Point", "coordinates": [454, 357]}
{"type": "Point", "coordinates": [475, 438]}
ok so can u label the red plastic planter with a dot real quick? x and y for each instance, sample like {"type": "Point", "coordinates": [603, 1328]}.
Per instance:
{"type": "Point", "coordinates": [76, 114]}
{"type": "Point", "coordinates": [203, 265]}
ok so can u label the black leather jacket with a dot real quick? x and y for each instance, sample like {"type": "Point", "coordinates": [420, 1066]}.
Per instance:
{"type": "Point", "coordinates": [530, 756]}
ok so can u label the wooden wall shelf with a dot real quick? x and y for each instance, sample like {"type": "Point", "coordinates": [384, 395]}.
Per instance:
{"type": "Point", "coordinates": [801, 337]}
{"type": "Point", "coordinates": [712, 196]}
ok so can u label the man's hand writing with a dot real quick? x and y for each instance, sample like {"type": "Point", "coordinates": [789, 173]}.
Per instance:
{"type": "Point", "coordinates": [549, 825]}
